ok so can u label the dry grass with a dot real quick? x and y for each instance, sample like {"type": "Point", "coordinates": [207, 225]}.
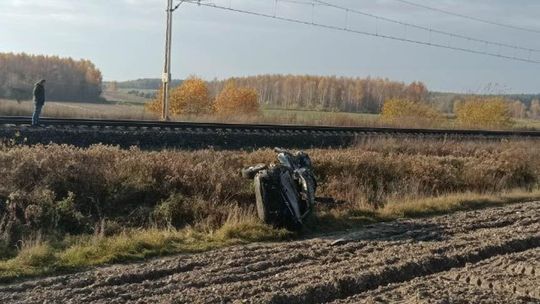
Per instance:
{"type": "Point", "coordinates": [348, 216]}
{"type": "Point", "coordinates": [72, 253]}
{"type": "Point", "coordinates": [427, 206]}
{"type": "Point", "coordinates": [90, 190]}
{"type": "Point", "coordinates": [77, 110]}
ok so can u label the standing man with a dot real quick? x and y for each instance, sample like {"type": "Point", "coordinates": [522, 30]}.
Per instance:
{"type": "Point", "coordinates": [39, 101]}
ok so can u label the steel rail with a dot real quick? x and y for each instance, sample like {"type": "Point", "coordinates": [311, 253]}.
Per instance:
{"type": "Point", "coordinates": [70, 122]}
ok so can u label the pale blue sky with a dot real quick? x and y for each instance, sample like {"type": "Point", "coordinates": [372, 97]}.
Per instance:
{"type": "Point", "coordinates": [125, 40]}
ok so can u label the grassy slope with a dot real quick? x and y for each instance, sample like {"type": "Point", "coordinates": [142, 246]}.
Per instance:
{"type": "Point", "coordinates": [76, 253]}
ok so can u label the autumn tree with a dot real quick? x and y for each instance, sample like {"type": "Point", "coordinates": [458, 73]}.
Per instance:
{"type": "Point", "coordinates": [156, 105]}
{"type": "Point", "coordinates": [483, 112]}
{"type": "Point", "coordinates": [417, 91]}
{"type": "Point", "coordinates": [67, 79]}
{"type": "Point", "coordinates": [235, 100]}
{"type": "Point", "coordinates": [405, 111]}
{"type": "Point", "coordinates": [534, 109]}
{"type": "Point", "coordinates": [190, 98]}
{"type": "Point", "coordinates": [517, 109]}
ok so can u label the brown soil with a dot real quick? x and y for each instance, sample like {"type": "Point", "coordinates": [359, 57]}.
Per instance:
{"type": "Point", "coordinates": [486, 256]}
{"type": "Point", "coordinates": [511, 278]}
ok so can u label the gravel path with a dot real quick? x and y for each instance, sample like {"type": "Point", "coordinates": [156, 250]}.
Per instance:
{"type": "Point", "coordinates": [484, 256]}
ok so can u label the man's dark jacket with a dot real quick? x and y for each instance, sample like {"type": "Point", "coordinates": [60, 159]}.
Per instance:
{"type": "Point", "coordinates": [39, 94]}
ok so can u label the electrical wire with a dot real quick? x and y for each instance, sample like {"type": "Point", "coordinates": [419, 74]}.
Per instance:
{"type": "Point", "coordinates": [510, 26]}
{"type": "Point", "coordinates": [365, 33]}
{"type": "Point", "coordinates": [430, 30]}
{"type": "Point", "coordinates": [411, 25]}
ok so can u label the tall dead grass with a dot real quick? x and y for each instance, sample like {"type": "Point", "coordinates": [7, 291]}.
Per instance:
{"type": "Point", "coordinates": [62, 189]}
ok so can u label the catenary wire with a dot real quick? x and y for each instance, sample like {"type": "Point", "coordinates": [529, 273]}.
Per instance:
{"type": "Point", "coordinates": [510, 26]}
{"type": "Point", "coordinates": [431, 30]}
{"type": "Point", "coordinates": [366, 33]}
{"type": "Point", "coordinates": [411, 25]}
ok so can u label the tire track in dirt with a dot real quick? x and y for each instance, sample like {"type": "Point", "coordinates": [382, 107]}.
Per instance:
{"type": "Point", "coordinates": [354, 284]}
{"type": "Point", "coordinates": [508, 278]}
{"type": "Point", "coordinates": [514, 273]}
{"type": "Point", "coordinates": [310, 271]}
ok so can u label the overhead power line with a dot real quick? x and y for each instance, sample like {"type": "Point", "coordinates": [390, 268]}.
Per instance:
{"type": "Point", "coordinates": [510, 26]}
{"type": "Point", "coordinates": [427, 29]}
{"type": "Point", "coordinates": [411, 25]}
{"type": "Point", "coordinates": [365, 33]}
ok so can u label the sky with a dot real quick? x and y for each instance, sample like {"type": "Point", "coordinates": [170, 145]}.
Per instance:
{"type": "Point", "coordinates": [125, 39]}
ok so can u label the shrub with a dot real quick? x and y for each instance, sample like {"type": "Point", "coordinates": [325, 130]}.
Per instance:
{"type": "Point", "coordinates": [178, 211]}
{"type": "Point", "coordinates": [234, 100]}
{"type": "Point", "coordinates": [479, 112]}
{"type": "Point", "coordinates": [191, 97]}
{"type": "Point", "coordinates": [69, 218]}
{"type": "Point", "coordinates": [398, 111]}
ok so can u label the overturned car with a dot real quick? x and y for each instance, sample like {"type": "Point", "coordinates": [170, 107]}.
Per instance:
{"type": "Point", "coordinates": [285, 192]}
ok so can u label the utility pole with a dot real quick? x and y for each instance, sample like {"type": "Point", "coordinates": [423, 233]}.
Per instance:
{"type": "Point", "coordinates": [166, 78]}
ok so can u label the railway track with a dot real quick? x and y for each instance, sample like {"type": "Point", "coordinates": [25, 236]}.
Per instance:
{"type": "Point", "coordinates": [197, 135]}
{"type": "Point", "coordinates": [65, 123]}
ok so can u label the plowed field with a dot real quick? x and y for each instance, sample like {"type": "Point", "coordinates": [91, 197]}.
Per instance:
{"type": "Point", "coordinates": [485, 256]}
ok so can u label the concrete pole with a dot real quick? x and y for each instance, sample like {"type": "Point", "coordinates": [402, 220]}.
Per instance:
{"type": "Point", "coordinates": [167, 68]}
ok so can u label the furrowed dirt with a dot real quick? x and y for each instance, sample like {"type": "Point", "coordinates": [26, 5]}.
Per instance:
{"type": "Point", "coordinates": [484, 256]}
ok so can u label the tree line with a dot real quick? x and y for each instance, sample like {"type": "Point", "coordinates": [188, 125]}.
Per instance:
{"type": "Point", "coordinates": [67, 79]}
{"type": "Point", "coordinates": [329, 93]}
{"type": "Point", "coordinates": [347, 94]}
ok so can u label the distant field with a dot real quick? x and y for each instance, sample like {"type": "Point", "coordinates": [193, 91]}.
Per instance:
{"type": "Point", "coordinates": [122, 96]}
{"type": "Point", "coordinates": [77, 110]}
{"type": "Point", "coordinates": [320, 117]}
{"type": "Point", "coordinates": [527, 124]}
{"type": "Point", "coordinates": [131, 109]}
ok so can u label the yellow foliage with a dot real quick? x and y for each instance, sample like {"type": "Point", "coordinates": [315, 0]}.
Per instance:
{"type": "Point", "coordinates": [234, 100]}
{"type": "Point", "coordinates": [491, 112]}
{"type": "Point", "coordinates": [402, 110]}
{"type": "Point", "coordinates": [417, 91]}
{"type": "Point", "coordinates": [156, 105]}
{"type": "Point", "coordinates": [191, 97]}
